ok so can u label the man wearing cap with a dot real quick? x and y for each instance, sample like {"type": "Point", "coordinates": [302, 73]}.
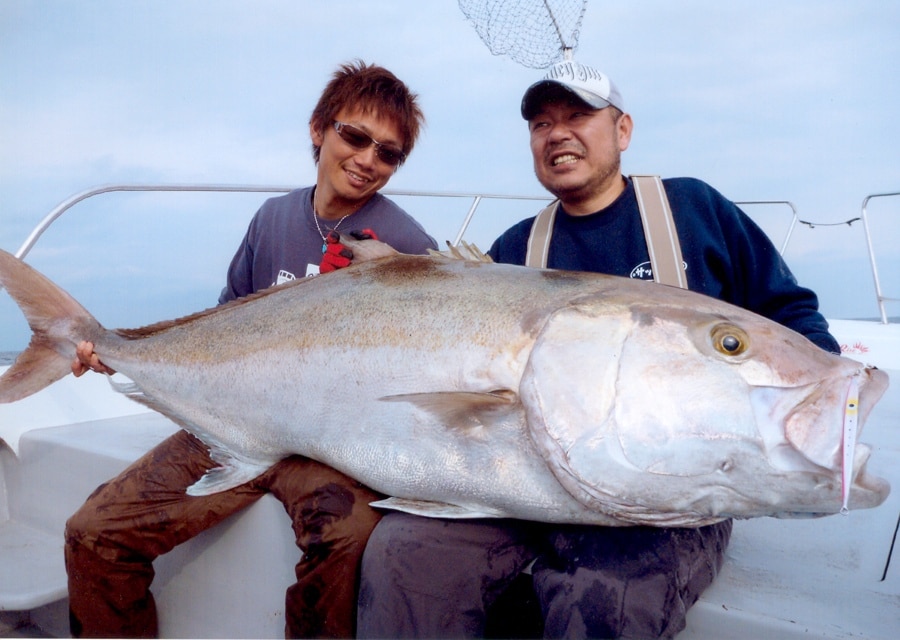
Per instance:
{"type": "Point", "coordinates": [436, 578]}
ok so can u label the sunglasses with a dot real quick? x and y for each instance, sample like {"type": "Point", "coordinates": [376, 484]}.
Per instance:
{"type": "Point", "coordinates": [359, 139]}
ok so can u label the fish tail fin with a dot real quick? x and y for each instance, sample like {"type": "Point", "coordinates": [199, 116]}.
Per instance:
{"type": "Point", "coordinates": [58, 323]}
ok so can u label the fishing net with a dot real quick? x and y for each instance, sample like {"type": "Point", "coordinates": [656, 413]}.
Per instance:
{"type": "Point", "coordinates": [534, 33]}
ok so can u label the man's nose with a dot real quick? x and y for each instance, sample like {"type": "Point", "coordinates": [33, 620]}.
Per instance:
{"type": "Point", "coordinates": [366, 157]}
{"type": "Point", "coordinates": [559, 131]}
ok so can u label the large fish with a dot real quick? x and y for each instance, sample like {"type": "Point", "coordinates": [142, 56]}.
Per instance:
{"type": "Point", "coordinates": [468, 389]}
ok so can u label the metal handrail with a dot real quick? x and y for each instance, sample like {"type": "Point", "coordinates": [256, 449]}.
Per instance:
{"type": "Point", "coordinates": [71, 201]}
{"type": "Point", "coordinates": [879, 295]}
{"type": "Point", "coordinates": [865, 218]}
{"type": "Point", "coordinates": [476, 198]}
{"type": "Point", "coordinates": [794, 218]}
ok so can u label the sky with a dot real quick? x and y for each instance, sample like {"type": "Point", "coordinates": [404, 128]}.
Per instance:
{"type": "Point", "coordinates": [788, 100]}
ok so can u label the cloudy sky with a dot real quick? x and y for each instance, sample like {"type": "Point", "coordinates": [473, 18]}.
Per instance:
{"type": "Point", "coordinates": [765, 100]}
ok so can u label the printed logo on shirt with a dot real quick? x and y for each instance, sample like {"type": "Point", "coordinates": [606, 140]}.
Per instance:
{"type": "Point", "coordinates": [284, 276]}
{"type": "Point", "coordinates": [645, 272]}
{"type": "Point", "coordinates": [312, 270]}
{"type": "Point", "coordinates": [642, 272]}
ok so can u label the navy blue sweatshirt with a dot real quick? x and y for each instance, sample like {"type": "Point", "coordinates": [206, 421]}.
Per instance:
{"type": "Point", "coordinates": [727, 255]}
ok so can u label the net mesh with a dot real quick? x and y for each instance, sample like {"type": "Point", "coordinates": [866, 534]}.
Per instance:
{"type": "Point", "coordinates": [534, 33]}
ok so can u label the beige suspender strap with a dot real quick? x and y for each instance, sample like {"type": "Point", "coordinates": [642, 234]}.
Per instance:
{"type": "Point", "coordinates": [539, 240]}
{"type": "Point", "coordinates": [659, 231]}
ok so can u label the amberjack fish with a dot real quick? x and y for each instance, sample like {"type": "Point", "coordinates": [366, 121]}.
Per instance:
{"type": "Point", "coordinates": [462, 388]}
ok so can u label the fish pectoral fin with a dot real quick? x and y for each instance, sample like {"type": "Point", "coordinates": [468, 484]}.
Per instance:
{"type": "Point", "coordinates": [462, 409]}
{"type": "Point", "coordinates": [434, 509]}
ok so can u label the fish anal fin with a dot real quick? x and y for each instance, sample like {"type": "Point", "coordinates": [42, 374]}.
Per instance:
{"type": "Point", "coordinates": [462, 409]}
{"type": "Point", "coordinates": [233, 471]}
{"type": "Point", "coordinates": [434, 509]}
{"type": "Point", "coordinates": [226, 477]}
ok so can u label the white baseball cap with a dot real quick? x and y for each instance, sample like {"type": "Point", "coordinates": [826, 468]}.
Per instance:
{"type": "Point", "coordinates": [586, 83]}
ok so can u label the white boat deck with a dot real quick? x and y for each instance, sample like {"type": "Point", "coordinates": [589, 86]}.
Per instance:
{"type": "Point", "coordinates": [822, 578]}
{"type": "Point", "coordinates": [223, 583]}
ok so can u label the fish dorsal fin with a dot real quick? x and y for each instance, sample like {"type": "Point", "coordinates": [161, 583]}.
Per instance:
{"type": "Point", "coordinates": [363, 251]}
{"type": "Point", "coordinates": [151, 329]}
{"type": "Point", "coordinates": [434, 509]}
{"type": "Point", "coordinates": [462, 251]}
{"type": "Point", "coordinates": [367, 249]}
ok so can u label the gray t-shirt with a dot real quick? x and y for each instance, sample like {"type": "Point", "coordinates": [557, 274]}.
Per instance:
{"type": "Point", "coordinates": [282, 242]}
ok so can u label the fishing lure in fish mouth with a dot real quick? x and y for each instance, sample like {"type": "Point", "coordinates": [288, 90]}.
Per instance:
{"type": "Point", "coordinates": [851, 415]}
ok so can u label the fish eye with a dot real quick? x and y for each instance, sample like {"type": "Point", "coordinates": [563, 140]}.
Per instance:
{"type": "Point", "coordinates": [729, 340]}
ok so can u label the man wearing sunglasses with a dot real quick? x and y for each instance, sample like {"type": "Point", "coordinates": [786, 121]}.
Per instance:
{"type": "Point", "coordinates": [362, 129]}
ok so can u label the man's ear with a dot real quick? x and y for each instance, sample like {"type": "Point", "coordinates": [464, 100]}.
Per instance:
{"type": "Point", "coordinates": [316, 135]}
{"type": "Point", "coordinates": [624, 127]}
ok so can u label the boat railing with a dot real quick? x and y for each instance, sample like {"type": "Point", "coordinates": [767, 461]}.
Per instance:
{"type": "Point", "coordinates": [475, 200]}
{"type": "Point", "coordinates": [794, 217]}
{"type": "Point", "coordinates": [882, 299]}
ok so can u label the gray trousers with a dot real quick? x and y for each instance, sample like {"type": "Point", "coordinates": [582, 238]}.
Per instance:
{"type": "Point", "coordinates": [430, 578]}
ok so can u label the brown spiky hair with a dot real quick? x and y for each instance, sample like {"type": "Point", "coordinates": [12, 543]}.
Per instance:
{"type": "Point", "coordinates": [375, 90]}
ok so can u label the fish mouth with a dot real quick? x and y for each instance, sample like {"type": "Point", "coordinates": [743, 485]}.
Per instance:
{"type": "Point", "coordinates": [812, 434]}
{"type": "Point", "coordinates": [815, 425]}
{"type": "Point", "coordinates": [867, 490]}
